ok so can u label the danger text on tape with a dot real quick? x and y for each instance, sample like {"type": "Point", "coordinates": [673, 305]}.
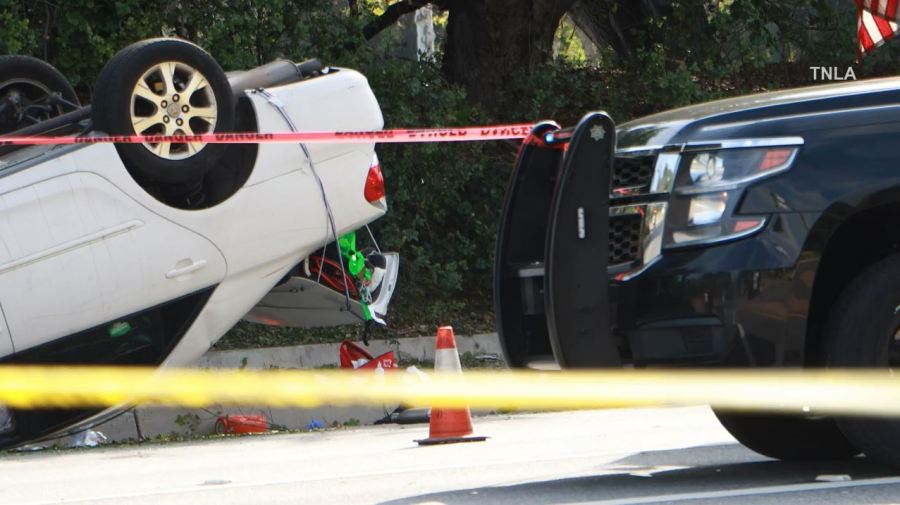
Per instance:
{"type": "Point", "coordinates": [467, 134]}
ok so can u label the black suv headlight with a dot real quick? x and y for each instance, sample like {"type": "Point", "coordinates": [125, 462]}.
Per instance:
{"type": "Point", "coordinates": [709, 183]}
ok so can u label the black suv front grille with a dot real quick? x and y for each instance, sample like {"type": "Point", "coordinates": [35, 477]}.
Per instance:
{"type": "Point", "coordinates": [624, 239]}
{"type": "Point", "coordinates": [632, 171]}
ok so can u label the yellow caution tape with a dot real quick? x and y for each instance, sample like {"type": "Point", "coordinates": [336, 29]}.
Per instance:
{"type": "Point", "coordinates": [859, 392]}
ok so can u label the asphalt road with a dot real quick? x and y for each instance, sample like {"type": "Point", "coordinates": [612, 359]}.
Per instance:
{"type": "Point", "coordinates": [637, 456]}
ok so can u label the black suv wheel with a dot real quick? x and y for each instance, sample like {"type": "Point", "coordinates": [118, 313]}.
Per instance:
{"type": "Point", "coordinates": [788, 437]}
{"type": "Point", "coordinates": [864, 331]}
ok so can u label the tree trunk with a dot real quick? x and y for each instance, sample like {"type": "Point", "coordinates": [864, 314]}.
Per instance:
{"type": "Point", "coordinates": [489, 41]}
{"type": "Point", "coordinates": [618, 23]}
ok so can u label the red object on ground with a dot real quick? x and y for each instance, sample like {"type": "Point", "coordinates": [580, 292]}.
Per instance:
{"type": "Point", "coordinates": [242, 424]}
{"type": "Point", "coordinates": [448, 425]}
{"type": "Point", "coordinates": [354, 356]}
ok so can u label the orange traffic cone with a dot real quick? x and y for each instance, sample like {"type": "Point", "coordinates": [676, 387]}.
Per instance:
{"type": "Point", "coordinates": [448, 426]}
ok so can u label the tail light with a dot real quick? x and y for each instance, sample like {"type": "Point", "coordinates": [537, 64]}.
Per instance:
{"type": "Point", "coordinates": [374, 182]}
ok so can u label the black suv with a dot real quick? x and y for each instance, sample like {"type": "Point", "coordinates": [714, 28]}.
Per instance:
{"type": "Point", "coordinates": [757, 231]}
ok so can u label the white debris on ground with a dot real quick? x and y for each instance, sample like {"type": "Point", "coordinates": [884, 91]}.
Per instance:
{"type": "Point", "coordinates": [87, 438]}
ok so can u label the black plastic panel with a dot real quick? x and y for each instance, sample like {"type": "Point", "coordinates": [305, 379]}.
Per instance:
{"type": "Point", "coordinates": [577, 249]}
{"type": "Point", "coordinates": [624, 239]}
{"type": "Point", "coordinates": [519, 262]}
{"type": "Point", "coordinates": [635, 171]}
{"type": "Point", "coordinates": [551, 281]}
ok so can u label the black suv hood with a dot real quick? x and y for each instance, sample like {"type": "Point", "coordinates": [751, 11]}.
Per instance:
{"type": "Point", "coordinates": [676, 125]}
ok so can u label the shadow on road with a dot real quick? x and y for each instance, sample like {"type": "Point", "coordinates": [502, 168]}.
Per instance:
{"type": "Point", "coordinates": [648, 474]}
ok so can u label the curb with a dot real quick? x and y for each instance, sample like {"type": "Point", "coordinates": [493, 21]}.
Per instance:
{"type": "Point", "coordinates": [326, 355]}
{"type": "Point", "coordinates": [163, 421]}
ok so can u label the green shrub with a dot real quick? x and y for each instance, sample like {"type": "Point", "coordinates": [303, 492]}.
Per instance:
{"type": "Point", "coordinates": [445, 199]}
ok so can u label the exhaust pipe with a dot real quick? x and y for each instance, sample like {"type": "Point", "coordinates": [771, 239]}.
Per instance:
{"type": "Point", "coordinates": [273, 74]}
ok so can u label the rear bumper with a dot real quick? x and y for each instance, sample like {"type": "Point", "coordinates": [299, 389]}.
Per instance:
{"type": "Point", "coordinates": [306, 302]}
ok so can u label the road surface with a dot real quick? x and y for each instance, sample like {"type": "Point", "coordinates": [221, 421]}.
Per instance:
{"type": "Point", "coordinates": [634, 456]}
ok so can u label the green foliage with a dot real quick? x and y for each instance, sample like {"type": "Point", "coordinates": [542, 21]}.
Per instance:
{"type": "Point", "coordinates": [349, 423]}
{"type": "Point", "coordinates": [239, 33]}
{"type": "Point", "coordinates": [17, 35]}
{"type": "Point", "coordinates": [445, 199]}
{"type": "Point", "coordinates": [567, 45]}
{"type": "Point", "coordinates": [247, 335]}
{"type": "Point", "coordinates": [708, 48]}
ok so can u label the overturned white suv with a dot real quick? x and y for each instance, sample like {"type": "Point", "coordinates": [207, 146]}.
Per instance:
{"type": "Point", "coordinates": [146, 254]}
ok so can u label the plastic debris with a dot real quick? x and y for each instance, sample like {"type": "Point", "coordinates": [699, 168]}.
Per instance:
{"type": "Point", "coordinates": [315, 424]}
{"type": "Point", "coordinates": [412, 370]}
{"type": "Point", "coordinates": [87, 438]}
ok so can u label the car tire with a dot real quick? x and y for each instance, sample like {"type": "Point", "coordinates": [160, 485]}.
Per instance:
{"type": "Point", "coordinates": [788, 437]}
{"type": "Point", "coordinates": [220, 427]}
{"type": "Point", "coordinates": [864, 331]}
{"type": "Point", "coordinates": [164, 87]}
{"type": "Point", "coordinates": [32, 81]}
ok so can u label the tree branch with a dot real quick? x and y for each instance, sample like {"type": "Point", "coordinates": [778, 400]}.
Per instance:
{"type": "Point", "coordinates": [391, 15]}
{"type": "Point", "coordinates": [612, 22]}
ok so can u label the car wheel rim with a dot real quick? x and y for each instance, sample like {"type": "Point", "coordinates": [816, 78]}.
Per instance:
{"type": "Point", "coordinates": [173, 98]}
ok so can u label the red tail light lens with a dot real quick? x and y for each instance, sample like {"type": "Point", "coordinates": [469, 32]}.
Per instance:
{"type": "Point", "coordinates": [374, 182]}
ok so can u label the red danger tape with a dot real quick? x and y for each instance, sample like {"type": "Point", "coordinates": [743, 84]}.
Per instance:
{"type": "Point", "coordinates": [472, 133]}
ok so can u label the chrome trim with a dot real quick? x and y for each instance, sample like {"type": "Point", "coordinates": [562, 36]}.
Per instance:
{"type": "Point", "coordinates": [715, 145]}
{"type": "Point", "coordinates": [733, 184]}
{"type": "Point", "coordinates": [722, 238]}
{"type": "Point", "coordinates": [664, 172]}
{"type": "Point", "coordinates": [652, 232]}
{"type": "Point", "coordinates": [635, 151]}
{"type": "Point", "coordinates": [627, 276]}
{"type": "Point", "coordinates": [624, 191]}
{"type": "Point", "coordinates": [652, 224]}
{"type": "Point", "coordinates": [625, 210]}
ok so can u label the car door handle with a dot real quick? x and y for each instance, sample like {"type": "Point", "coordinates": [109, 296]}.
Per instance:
{"type": "Point", "coordinates": [184, 270]}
